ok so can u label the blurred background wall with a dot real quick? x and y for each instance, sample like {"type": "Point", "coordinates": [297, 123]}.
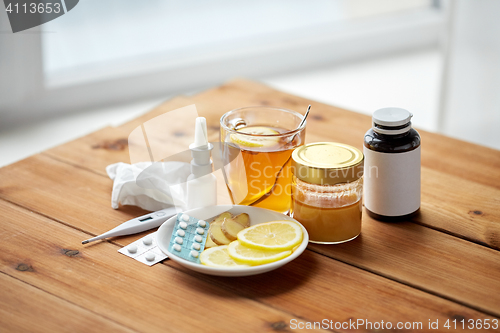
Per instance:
{"type": "Point", "coordinates": [106, 61]}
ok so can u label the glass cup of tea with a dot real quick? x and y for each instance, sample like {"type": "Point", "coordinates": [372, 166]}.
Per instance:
{"type": "Point", "coordinates": [257, 144]}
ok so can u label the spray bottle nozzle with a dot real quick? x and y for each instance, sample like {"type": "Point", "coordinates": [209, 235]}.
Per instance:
{"type": "Point", "coordinates": [200, 149]}
{"type": "Point", "coordinates": [200, 134]}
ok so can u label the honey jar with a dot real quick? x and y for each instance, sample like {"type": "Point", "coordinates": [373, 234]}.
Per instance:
{"type": "Point", "coordinates": [327, 187]}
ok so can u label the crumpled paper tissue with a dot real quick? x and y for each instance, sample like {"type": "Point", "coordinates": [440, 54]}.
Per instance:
{"type": "Point", "coordinates": [151, 186]}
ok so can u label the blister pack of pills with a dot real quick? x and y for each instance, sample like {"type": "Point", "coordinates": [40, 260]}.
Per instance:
{"type": "Point", "coordinates": [144, 250]}
{"type": "Point", "coordinates": [188, 237]}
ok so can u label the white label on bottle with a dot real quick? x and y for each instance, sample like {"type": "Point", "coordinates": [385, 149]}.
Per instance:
{"type": "Point", "coordinates": [392, 182]}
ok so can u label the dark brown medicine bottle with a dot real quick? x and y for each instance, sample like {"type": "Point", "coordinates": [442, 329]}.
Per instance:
{"type": "Point", "coordinates": [392, 166]}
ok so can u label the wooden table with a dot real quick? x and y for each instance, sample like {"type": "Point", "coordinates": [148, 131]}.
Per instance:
{"type": "Point", "coordinates": [442, 266]}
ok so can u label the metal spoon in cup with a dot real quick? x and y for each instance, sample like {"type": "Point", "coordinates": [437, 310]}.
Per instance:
{"type": "Point", "coordinates": [301, 123]}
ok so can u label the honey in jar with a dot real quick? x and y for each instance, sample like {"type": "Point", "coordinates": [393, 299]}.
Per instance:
{"type": "Point", "coordinates": [327, 187]}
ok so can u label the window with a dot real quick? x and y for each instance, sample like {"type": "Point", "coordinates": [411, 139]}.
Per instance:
{"type": "Point", "coordinates": [105, 51]}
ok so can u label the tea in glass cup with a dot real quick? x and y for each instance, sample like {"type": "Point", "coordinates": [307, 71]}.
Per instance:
{"type": "Point", "coordinates": [265, 138]}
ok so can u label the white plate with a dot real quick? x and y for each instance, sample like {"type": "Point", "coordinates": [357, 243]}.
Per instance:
{"type": "Point", "coordinates": [257, 215]}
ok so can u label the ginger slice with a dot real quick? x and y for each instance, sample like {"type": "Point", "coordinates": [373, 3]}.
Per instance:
{"type": "Point", "coordinates": [242, 219]}
{"type": "Point", "coordinates": [222, 217]}
{"type": "Point", "coordinates": [216, 234]}
{"type": "Point", "coordinates": [209, 243]}
{"type": "Point", "coordinates": [230, 228]}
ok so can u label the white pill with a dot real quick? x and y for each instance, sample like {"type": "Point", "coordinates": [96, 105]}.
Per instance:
{"type": "Point", "coordinates": [185, 217]}
{"type": "Point", "coordinates": [179, 240]}
{"type": "Point", "coordinates": [194, 254]}
{"type": "Point", "coordinates": [147, 241]}
{"type": "Point", "coordinates": [181, 233]}
{"type": "Point", "coordinates": [177, 247]}
{"type": "Point", "coordinates": [202, 223]}
{"type": "Point", "coordinates": [132, 248]}
{"type": "Point", "coordinates": [196, 246]}
{"type": "Point", "coordinates": [198, 238]}
{"type": "Point", "coordinates": [183, 225]}
{"type": "Point", "coordinates": [200, 231]}
{"type": "Point", "coordinates": [150, 256]}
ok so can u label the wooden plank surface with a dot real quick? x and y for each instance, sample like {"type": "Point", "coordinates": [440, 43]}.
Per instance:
{"type": "Point", "coordinates": [29, 309]}
{"type": "Point", "coordinates": [461, 207]}
{"type": "Point", "coordinates": [378, 240]}
{"type": "Point", "coordinates": [418, 270]}
{"type": "Point", "coordinates": [94, 151]}
{"type": "Point", "coordinates": [438, 263]}
{"type": "Point", "coordinates": [64, 192]}
{"type": "Point", "coordinates": [97, 278]}
{"type": "Point", "coordinates": [447, 200]}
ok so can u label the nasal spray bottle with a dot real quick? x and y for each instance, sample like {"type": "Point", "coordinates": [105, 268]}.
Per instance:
{"type": "Point", "coordinates": [202, 183]}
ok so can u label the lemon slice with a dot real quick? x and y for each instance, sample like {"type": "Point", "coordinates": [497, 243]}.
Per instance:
{"type": "Point", "coordinates": [276, 235]}
{"type": "Point", "coordinates": [252, 256]}
{"type": "Point", "coordinates": [255, 141]}
{"type": "Point", "coordinates": [218, 257]}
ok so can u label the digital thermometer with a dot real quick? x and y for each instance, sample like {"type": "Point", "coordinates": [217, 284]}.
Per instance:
{"type": "Point", "coordinates": [138, 224]}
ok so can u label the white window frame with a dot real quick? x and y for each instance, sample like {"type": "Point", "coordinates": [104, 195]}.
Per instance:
{"type": "Point", "coordinates": [26, 94]}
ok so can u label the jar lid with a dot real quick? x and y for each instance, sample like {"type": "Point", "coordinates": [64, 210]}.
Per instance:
{"type": "Point", "coordinates": [391, 121]}
{"type": "Point", "coordinates": [391, 117]}
{"type": "Point", "coordinates": [327, 163]}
